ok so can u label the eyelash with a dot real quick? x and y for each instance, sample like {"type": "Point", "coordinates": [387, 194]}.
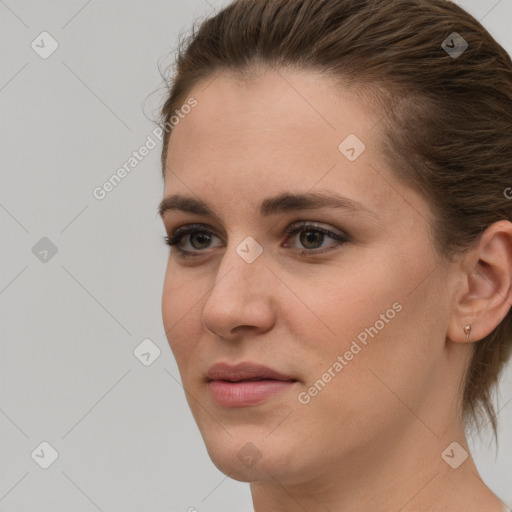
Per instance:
{"type": "Point", "coordinates": [192, 229]}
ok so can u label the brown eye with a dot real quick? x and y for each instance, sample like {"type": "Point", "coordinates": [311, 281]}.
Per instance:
{"type": "Point", "coordinates": [312, 236]}
{"type": "Point", "coordinates": [199, 238]}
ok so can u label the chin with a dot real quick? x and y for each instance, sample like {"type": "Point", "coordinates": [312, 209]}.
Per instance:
{"type": "Point", "coordinates": [231, 466]}
{"type": "Point", "coordinates": [250, 456]}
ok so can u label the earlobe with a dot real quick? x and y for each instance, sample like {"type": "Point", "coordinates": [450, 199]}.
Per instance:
{"type": "Point", "coordinates": [485, 296]}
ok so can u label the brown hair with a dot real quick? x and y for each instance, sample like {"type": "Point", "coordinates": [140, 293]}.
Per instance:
{"type": "Point", "coordinates": [447, 127]}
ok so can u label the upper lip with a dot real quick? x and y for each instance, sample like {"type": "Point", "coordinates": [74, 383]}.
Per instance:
{"type": "Point", "coordinates": [244, 371]}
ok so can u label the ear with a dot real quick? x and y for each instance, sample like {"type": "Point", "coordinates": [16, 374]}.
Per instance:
{"type": "Point", "coordinates": [485, 294]}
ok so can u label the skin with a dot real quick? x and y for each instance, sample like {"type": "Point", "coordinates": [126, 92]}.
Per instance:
{"type": "Point", "coordinates": [372, 439]}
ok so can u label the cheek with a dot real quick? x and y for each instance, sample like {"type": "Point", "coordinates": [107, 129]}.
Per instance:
{"type": "Point", "coordinates": [181, 314]}
{"type": "Point", "coordinates": [386, 341]}
{"type": "Point", "coordinates": [365, 316]}
{"type": "Point", "coordinates": [339, 304]}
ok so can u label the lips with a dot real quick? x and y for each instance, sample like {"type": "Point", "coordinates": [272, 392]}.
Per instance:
{"type": "Point", "coordinates": [249, 372]}
{"type": "Point", "coordinates": [245, 384]}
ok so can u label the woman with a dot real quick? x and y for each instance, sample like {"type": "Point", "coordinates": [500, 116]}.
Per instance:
{"type": "Point", "coordinates": [338, 288]}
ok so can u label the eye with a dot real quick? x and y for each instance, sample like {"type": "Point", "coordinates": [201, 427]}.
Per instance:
{"type": "Point", "coordinates": [312, 234]}
{"type": "Point", "coordinates": [199, 238]}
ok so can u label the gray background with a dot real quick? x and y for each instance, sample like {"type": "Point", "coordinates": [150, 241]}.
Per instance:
{"type": "Point", "coordinates": [69, 324]}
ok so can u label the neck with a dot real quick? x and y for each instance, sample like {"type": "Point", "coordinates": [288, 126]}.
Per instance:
{"type": "Point", "coordinates": [403, 472]}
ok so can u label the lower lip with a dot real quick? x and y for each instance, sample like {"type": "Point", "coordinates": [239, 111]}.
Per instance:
{"type": "Point", "coordinates": [243, 394]}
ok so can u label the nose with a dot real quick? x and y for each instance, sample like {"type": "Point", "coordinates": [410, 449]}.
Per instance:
{"type": "Point", "coordinates": [241, 300]}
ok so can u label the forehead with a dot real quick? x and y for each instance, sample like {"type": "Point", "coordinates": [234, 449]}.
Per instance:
{"type": "Point", "coordinates": [295, 106]}
{"type": "Point", "coordinates": [277, 131]}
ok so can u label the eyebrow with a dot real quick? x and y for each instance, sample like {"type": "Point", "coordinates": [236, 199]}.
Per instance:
{"type": "Point", "coordinates": [281, 203]}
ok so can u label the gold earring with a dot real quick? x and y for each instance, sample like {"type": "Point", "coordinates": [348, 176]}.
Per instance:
{"type": "Point", "coordinates": [467, 331]}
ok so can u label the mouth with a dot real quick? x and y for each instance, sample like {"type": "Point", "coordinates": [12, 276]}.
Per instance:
{"type": "Point", "coordinates": [245, 371]}
{"type": "Point", "coordinates": [245, 384]}
{"type": "Point", "coordinates": [254, 379]}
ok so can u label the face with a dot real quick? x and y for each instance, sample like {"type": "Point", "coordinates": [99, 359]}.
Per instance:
{"type": "Point", "coordinates": [323, 319]}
